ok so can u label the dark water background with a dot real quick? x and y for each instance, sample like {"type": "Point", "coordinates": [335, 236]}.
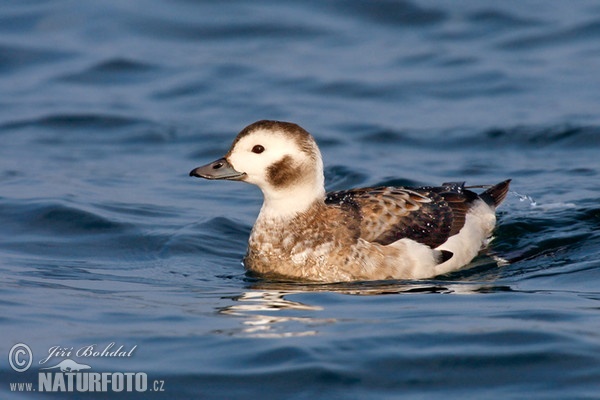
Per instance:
{"type": "Point", "coordinates": [105, 106]}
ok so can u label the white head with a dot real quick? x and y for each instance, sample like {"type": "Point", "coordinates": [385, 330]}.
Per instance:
{"type": "Point", "coordinates": [281, 158]}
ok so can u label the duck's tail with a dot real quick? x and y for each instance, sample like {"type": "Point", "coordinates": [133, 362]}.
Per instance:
{"type": "Point", "coordinates": [496, 194]}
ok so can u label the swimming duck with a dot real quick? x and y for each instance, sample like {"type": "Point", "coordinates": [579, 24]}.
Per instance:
{"type": "Point", "coordinates": [373, 233]}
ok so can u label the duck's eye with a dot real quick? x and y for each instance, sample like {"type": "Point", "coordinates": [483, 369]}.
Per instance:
{"type": "Point", "coordinates": [258, 149]}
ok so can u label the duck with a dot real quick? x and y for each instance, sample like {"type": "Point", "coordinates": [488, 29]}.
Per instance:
{"type": "Point", "coordinates": [376, 233]}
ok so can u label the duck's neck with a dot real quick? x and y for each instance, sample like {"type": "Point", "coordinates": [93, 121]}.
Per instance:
{"type": "Point", "coordinates": [287, 204]}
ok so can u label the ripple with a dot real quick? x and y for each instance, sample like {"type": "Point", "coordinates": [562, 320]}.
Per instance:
{"type": "Point", "coordinates": [14, 58]}
{"type": "Point", "coordinates": [340, 177]}
{"type": "Point", "coordinates": [178, 30]}
{"type": "Point", "coordinates": [57, 219]}
{"type": "Point", "coordinates": [119, 71]}
{"type": "Point", "coordinates": [218, 236]}
{"type": "Point", "coordinates": [354, 89]}
{"type": "Point", "coordinates": [89, 128]}
{"type": "Point", "coordinates": [74, 121]}
{"type": "Point", "coordinates": [20, 22]}
{"type": "Point", "coordinates": [549, 240]}
{"type": "Point", "coordinates": [497, 19]}
{"type": "Point", "coordinates": [71, 232]}
{"type": "Point", "coordinates": [387, 136]}
{"type": "Point", "coordinates": [187, 89]}
{"type": "Point", "coordinates": [532, 136]}
{"type": "Point", "coordinates": [589, 31]}
{"type": "Point", "coordinates": [395, 13]}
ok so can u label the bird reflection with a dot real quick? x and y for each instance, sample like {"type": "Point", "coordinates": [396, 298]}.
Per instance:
{"type": "Point", "coordinates": [266, 310]}
{"type": "Point", "coordinates": [273, 326]}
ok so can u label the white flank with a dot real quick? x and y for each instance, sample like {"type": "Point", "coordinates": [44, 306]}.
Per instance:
{"type": "Point", "coordinates": [479, 223]}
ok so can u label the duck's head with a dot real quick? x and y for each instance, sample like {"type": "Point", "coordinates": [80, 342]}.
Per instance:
{"type": "Point", "coordinates": [281, 158]}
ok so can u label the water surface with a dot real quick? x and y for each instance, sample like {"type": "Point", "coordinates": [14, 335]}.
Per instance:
{"type": "Point", "coordinates": [106, 106]}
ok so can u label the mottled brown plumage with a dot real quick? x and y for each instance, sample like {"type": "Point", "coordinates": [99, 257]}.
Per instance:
{"type": "Point", "coordinates": [428, 215]}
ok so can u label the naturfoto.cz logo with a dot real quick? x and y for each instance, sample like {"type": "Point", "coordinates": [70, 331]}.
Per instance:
{"type": "Point", "coordinates": [69, 375]}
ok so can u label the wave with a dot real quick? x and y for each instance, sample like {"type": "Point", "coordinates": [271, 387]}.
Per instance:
{"type": "Point", "coordinates": [183, 29]}
{"type": "Point", "coordinates": [67, 231]}
{"type": "Point", "coordinates": [568, 136]}
{"type": "Point", "coordinates": [117, 71]}
{"type": "Point", "coordinates": [102, 127]}
{"type": "Point", "coordinates": [43, 218]}
{"type": "Point", "coordinates": [583, 32]}
{"type": "Point", "coordinates": [74, 120]}
{"type": "Point", "coordinates": [394, 13]}
{"type": "Point", "coordinates": [15, 58]}
{"type": "Point", "coordinates": [219, 236]}
{"type": "Point", "coordinates": [571, 136]}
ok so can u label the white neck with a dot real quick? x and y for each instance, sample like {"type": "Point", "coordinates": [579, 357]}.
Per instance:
{"type": "Point", "coordinates": [288, 203]}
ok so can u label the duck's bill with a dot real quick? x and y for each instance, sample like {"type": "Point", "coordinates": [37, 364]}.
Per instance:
{"type": "Point", "coordinates": [219, 169]}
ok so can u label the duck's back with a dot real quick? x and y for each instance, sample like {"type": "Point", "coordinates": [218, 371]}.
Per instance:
{"type": "Point", "coordinates": [427, 215]}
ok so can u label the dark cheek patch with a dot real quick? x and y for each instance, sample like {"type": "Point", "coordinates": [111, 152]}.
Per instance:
{"type": "Point", "coordinates": [284, 173]}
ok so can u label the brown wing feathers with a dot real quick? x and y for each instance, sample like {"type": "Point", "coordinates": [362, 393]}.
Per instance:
{"type": "Point", "coordinates": [428, 215]}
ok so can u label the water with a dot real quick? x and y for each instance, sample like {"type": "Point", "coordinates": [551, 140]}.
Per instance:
{"type": "Point", "coordinates": [106, 106]}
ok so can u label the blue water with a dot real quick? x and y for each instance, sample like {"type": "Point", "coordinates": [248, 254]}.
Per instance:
{"type": "Point", "coordinates": [106, 106]}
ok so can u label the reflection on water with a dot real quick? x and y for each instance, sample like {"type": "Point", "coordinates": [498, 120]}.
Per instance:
{"type": "Point", "coordinates": [267, 313]}
{"type": "Point", "coordinates": [270, 326]}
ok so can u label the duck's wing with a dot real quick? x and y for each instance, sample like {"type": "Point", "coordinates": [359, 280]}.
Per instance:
{"type": "Point", "coordinates": [428, 215]}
